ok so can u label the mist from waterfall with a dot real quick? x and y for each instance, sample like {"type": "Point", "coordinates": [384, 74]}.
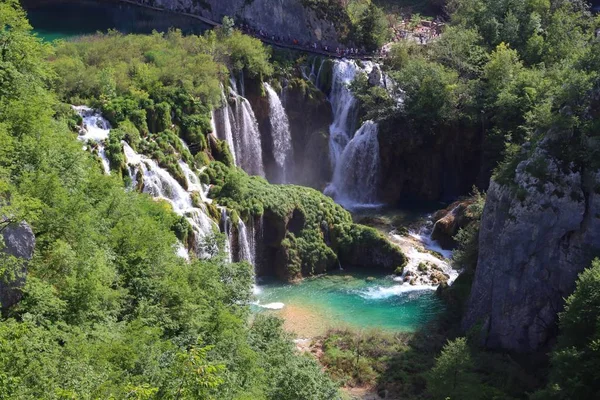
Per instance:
{"type": "Point", "coordinates": [237, 126]}
{"type": "Point", "coordinates": [95, 128]}
{"type": "Point", "coordinates": [280, 132]}
{"type": "Point", "coordinates": [356, 176]}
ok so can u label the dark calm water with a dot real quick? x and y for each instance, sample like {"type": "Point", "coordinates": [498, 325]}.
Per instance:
{"type": "Point", "coordinates": [64, 19]}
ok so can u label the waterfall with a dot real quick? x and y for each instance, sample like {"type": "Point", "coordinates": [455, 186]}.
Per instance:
{"type": "Point", "coordinates": [158, 183]}
{"type": "Point", "coordinates": [248, 143]}
{"type": "Point", "coordinates": [95, 129]}
{"type": "Point", "coordinates": [226, 229]}
{"type": "Point", "coordinates": [237, 125]}
{"type": "Point", "coordinates": [280, 131]}
{"type": "Point", "coordinates": [343, 105]}
{"type": "Point", "coordinates": [245, 243]}
{"type": "Point", "coordinates": [344, 108]}
{"type": "Point", "coordinates": [356, 174]}
{"type": "Point", "coordinates": [223, 131]}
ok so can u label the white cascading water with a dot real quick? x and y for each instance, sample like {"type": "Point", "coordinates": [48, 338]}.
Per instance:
{"type": "Point", "coordinates": [96, 129]}
{"type": "Point", "coordinates": [356, 176]}
{"type": "Point", "coordinates": [160, 184]}
{"type": "Point", "coordinates": [238, 127]}
{"type": "Point", "coordinates": [343, 105]}
{"type": "Point", "coordinates": [224, 131]}
{"type": "Point", "coordinates": [248, 143]}
{"type": "Point", "coordinates": [245, 243]}
{"type": "Point", "coordinates": [225, 222]}
{"type": "Point", "coordinates": [280, 131]}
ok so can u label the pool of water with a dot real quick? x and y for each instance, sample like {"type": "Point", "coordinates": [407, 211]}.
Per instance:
{"type": "Point", "coordinates": [64, 19]}
{"type": "Point", "coordinates": [348, 300]}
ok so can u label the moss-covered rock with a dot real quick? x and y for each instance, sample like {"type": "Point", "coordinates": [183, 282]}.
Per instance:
{"type": "Point", "coordinates": [303, 231]}
{"type": "Point", "coordinates": [364, 247]}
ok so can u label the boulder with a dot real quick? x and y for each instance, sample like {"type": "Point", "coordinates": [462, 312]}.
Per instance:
{"type": "Point", "coordinates": [17, 248]}
{"type": "Point", "coordinates": [449, 221]}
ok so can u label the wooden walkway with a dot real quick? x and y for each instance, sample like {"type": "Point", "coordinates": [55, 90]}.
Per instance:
{"type": "Point", "coordinates": [263, 39]}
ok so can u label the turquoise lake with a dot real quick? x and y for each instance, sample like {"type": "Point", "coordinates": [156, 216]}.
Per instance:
{"type": "Point", "coordinates": [53, 20]}
{"type": "Point", "coordinates": [343, 300]}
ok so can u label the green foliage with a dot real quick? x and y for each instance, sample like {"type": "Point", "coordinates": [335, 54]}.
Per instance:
{"type": "Point", "coordinates": [359, 22]}
{"type": "Point", "coordinates": [506, 72]}
{"type": "Point", "coordinates": [358, 358]}
{"type": "Point", "coordinates": [372, 28]}
{"type": "Point", "coordinates": [109, 310]}
{"type": "Point", "coordinates": [375, 101]}
{"type": "Point", "coordinates": [431, 92]}
{"type": "Point", "coordinates": [576, 357]}
{"type": "Point", "coordinates": [466, 254]}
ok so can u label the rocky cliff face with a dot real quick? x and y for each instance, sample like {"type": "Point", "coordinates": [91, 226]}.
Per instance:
{"type": "Point", "coordinates": [536, 236]}
{"type": "Point", "coordinates": [16, 249]}
{"type": "Point", "coordinates": [427, 167]}
{"type": "Point", "coordinates": [309, 114]}
{"type": "Point", "coordinates": [277, 17]}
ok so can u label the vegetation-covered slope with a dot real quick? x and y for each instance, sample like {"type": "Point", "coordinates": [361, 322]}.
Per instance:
{"type": "Point", "coordinates": [109, 310]}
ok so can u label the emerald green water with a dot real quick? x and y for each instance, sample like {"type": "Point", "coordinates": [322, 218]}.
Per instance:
{"type": "Point", "coordinates": [65, 19]}
{"type": "Point", "coordinates": [355, 301]}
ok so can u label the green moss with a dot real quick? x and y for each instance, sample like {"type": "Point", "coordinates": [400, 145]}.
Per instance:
{"type": "Point", "coordinates": [319, 233]}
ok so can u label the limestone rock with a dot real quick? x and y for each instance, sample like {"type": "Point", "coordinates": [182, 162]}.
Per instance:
{"type": "Point", "coordinates": [429, 166]}
{"type": "Point", "coordinates": [18, 247]}
{"type": "Point", "coordinates": [274, 17]}
{"type": "Point", "coordinates": [535, 238]}
{"type": "Point", "coordinates": [449, 221]}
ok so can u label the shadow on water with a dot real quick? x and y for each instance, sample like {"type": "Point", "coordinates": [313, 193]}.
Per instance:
{"type": "Point", "coordinates": [54, 19]}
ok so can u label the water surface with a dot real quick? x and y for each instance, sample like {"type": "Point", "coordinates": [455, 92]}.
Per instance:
{"type": "Point", "coordinates": [343, 300]}
{"type": "Point", "coordinates": [65, 19]}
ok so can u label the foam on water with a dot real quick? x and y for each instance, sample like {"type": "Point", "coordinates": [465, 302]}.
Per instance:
{"type": "Point", "coordinates": [385, 292]}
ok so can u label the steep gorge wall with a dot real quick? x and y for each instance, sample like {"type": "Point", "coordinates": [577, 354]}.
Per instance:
{"type": "Point", "coordinates": [428, 167]}
{"type": "Point", "coordinates": [277, 17]}
{"type": "Point", "coordinates": [536, 236]}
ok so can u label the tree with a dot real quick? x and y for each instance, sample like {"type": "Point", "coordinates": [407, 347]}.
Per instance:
{"type": "Point", "coordinates": [372, 28]}
{"type": "Point", "coordinates": [576, 359]}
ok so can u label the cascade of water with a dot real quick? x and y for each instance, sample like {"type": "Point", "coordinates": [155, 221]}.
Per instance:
{"type": "Point", "coordinates": [225, 222]}
{"type": "Point", "coordinates": [245, 243]}
{"type": "Point", "coordinates": [280, 131]}
{"type": "Point", "coordinates": [160, 184]}
{"type": "Point", "coordinates": [247, 138]}
{"type": "Point", "coordinates": [318, 77]}
{"type": "Point", "coordinates": [239, 128]}
{"type": "Point", "coordinates": [356, 173]}
{"type": "Point", "coordinates": [221, 120]}
{"type": "Point", "coordinates": [343, 105]}
{"type": "Point", "coordinates": [96, 129]}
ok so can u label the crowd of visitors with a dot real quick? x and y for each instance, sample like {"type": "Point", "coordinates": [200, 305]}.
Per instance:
{"type": "Point", "coordinates": [318, 47]}
{"type": "Point", "coordinates": [422, 32]}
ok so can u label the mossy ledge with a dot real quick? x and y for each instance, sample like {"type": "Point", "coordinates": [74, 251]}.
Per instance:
{"type": "Point", "coordinates": [304, 232]}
